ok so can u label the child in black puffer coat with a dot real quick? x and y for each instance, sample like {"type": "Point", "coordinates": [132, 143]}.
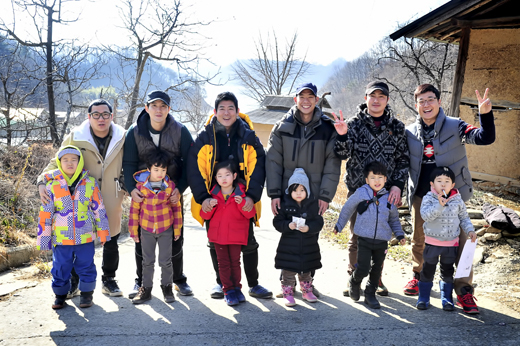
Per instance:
{"type": "Point", "coordinates": [298, 251]}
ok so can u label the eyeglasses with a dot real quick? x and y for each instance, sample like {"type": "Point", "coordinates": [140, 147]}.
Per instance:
{"type": "Point", "coordinates": [96, 115]}
{"type": "Point", "coordinates": [429, 100]}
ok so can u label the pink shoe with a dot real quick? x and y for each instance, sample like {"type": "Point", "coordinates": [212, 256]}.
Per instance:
{"type": "Point", "coordinates": [288, 295]}
{"type": "Point", "coordinates": [307, 294]}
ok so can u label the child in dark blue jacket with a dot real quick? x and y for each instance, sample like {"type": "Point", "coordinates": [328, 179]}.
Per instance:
{"type": "Point", "coordinates": [376, 220]}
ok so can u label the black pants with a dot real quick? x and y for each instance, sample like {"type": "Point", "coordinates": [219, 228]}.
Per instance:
{"type": "Point", "coordinates": [431, 254]}
{"type": "Point", "coordinates": [370, 257]}
{"type": "Point", "coordinates": [177, 261]}
{"type": "Point", "coordinates": [249, 254]}
{"type": "Point", "coordinates": [110, 261]}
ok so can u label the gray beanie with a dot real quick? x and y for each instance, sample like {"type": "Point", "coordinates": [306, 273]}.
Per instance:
{"type": "Point", "coordinates": [299, 177]}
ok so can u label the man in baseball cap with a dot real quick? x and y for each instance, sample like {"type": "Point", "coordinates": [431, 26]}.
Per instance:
{"type": "Point", "coordinates": [158, 95]}
{"type": "Point", "coordinates": [307, 86]}
{"type": "Point", "coordinates": [373, 86]}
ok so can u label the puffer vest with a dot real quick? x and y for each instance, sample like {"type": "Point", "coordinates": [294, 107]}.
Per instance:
{"type": "Point", "coordinates": [449, 151]}
{"type": "Point", "coordinates": [170, 143]}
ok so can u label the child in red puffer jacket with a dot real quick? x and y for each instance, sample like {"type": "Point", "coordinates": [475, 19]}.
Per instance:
{"type": "Point", "coordinates": [228, 228]}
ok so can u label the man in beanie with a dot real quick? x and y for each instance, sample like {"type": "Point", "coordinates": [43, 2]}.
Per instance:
{"type": "Point", "coordinates": [303, 138]}
{"type": "Point", "coordinates": [154, 129]}
{"type": "Point", "coordinates": [372, 134]}
{"type": "Point", "coordinates": [101, 143]}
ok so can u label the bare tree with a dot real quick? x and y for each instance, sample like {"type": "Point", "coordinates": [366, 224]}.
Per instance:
{"type": "Point", "coordinates": [44, 13]}
{"type": "Point", "coordinates": [193, 107]}
{"type": "Point", "coordinates": [159, 31]}
{"type": "Point", "coordinates": [274, 70]}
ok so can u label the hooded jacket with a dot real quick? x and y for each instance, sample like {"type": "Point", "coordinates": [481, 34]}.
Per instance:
{"type": "Point", "coordinates": [106, 171]}
{"type": "Point", "coordinates": [71, 219]}
{"type": "Point", "coordinates": [155, 213]}
{"type": "Point", "coordinates": [364, 143]}
{"type": "Point", "coordinates": [298, 252]}
{"type": "Point", "coordinates": [228, 223]}
{"type": "Point", "coordinates": [378, 221]}
{"type": "Point", "coordinates": [442, 223]}
{"type": "Point", "coordinates": [202, 160]}
{"type": "Point", "coordinates": [293, 144]}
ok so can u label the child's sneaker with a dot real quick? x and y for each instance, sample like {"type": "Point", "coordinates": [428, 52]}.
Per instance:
{"type": "Point", "coordinates": [85, 300]}
{"type": "Point", "coordinates": [381, 289]}
{"type": "Point", "coordinates": [74, 290]}
{"type": "Point", "coordinates": [288, 295]}
{"type": "Point", "coordinates": [260, 291]}
{"type": "Point", "coordinates": [412, 288]}
{"type": "Point", "coordinates": [307, 294]}
{"type": "Point", "coordinates": [467, 301]}
{"type": "Point", "coordinates": [231, 298]}
{"type": "Point", "coordinates": [134, 291]}
{"type": "Point", "coordinates": [240, 296]}
{"type": "Point", "coordinates": [110, 287]}
{"type": "Point", "coordinates": [59, 302]}
{"type": "Point", "coordinates": [168, 293]}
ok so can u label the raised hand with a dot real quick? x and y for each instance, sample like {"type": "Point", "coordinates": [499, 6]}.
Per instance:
{"type": "Point", "coordinates": [340, 124]}
{"type": "Point", "coordinates": [484, 103]}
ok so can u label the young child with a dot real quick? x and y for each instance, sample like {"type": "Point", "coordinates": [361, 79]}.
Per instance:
{"type": "Point", "coordinates": [66, 225]}
{"type": "Point", "coordinates": [298, 251]}
{"type": "Point", "coordinates": [443, 211]}
{"type": "Point", "coordinates": [155, 221]}
{"type": "Point", "coordinates": [228, 228]}
{"type": "Point", "coordinates": [376, 220]}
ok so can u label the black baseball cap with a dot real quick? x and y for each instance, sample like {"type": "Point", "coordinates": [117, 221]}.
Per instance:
{"type": "Point", "coordinates": [307, 86]}
{"type": "Point", "coordinates": [158, 95]}
{"type": "Point", "coordinates": [373, 86]}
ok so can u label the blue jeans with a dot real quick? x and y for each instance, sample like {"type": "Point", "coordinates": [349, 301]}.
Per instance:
{"type": "Point", "coordinates": [79, 257]}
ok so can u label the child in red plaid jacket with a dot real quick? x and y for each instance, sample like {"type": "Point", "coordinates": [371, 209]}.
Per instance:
{"type": "Point", "coordinates": [155, 221]}
{"type": "Point", "coordinates": [228, 228]}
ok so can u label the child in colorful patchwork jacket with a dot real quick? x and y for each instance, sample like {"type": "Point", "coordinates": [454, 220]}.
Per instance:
{"type": "Point", "coordinates": [66, 225]}
{"type": "Point", "coordinates": [444, 214]}
{"type": "Point", "coordinates": [155, 221]}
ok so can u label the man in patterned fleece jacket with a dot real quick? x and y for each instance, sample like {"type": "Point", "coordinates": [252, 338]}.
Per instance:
{"type": "Point", "coordinates": [373, 134]}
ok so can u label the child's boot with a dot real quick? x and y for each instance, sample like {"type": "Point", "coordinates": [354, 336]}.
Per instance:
{"type": "Point", "coordinates": [168, 293]}
{"type": "Point", "coordinates": [59, 302]}
{"type": "Point", "coordinates": [370, 296]}
{"type": "Point", "coordinates": [354, 288]}
{"type": "Point", "coordinates": [446, 295]}
{"type": "Point", "coordinates": [425, 289]}
{"type": "Point", "coordinates": [144, 294]}
{"type": "Point", "coordinates": [288, 295]}
{"type": "Point", "coordinates": [307, 293]}
{"type": "Point", "coordinates": [85, 300]}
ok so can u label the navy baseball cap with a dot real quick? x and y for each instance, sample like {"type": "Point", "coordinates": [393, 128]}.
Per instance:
{"type": "Point", "coordinates": [373, 86]}
{"type": "Point", "coordinates": [307, 86]}
{"type": "Point", "coordinates": [158, 95]}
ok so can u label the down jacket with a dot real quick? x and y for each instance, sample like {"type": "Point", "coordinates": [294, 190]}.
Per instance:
{"type": "Point", "coordinates": [228, 223]}
{"type": "Point", "coordinates": [106, 171]}
{"type": "Point", "coordinates": [202, 160]}
{"type": "Point", "coordinates": [293, 144]}
{"type": "Point", "coordinates": [378, 222]}
{"type": "Point", "coordinates": [68, 220]}
{"type": "Point", "coordinates": [298, 252]}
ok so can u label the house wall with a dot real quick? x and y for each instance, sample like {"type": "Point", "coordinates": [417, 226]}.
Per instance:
{"type": "Point", "coordinates": [263, 131]}
{"type": "Point", "coordinates": [493, 63]}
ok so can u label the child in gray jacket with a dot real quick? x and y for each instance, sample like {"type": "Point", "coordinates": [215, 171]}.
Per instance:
{"type": "Point", "coordinates": [444, 213]}
{"type": "Point", "coordinates": [376, 220]}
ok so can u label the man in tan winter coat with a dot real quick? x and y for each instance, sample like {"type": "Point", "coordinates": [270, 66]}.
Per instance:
{"type": "Point", "coordinates": [101, 144]}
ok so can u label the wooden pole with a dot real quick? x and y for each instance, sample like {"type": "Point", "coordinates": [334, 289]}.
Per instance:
{"type": "Point", "coordinates": [458, 80]}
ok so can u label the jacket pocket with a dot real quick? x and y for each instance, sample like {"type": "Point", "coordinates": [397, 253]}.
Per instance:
{"type": "Point", "coordinates": [312, 152]}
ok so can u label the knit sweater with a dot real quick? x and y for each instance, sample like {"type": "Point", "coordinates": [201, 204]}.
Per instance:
{"type": "Point", "coordinates": [379, 220]}
{"type": "Point", "coordinates": [442, 223]}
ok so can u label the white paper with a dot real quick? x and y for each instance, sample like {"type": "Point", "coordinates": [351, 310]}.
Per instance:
{"type": "Point", "coordinates": [300, 222]}
{"type": "Point", "coordinates": [466, 260]}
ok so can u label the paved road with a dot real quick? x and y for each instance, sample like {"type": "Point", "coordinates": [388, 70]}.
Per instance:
{"type": "Point", "coordinates": [27, 317]}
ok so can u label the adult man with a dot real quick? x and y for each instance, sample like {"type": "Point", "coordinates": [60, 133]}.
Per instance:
{"type": "Point", "coordinates": [229, 135]}
{"type": "Point", "coordinates": [154, 129]}
{"type": "Point", "coordinates": [372, 134]}
{"type": "Point", "coordinates": [303, 138]}
{"type": "Point", "coordinates": [437, 140]}
{"type": "Point", "coordinates": [101, 143]}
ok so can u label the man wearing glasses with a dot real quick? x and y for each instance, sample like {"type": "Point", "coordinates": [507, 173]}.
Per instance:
{"type": "Point", "coordinates": [101, 143]}
{"type": "Point", "coordinates": [437, 140]}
